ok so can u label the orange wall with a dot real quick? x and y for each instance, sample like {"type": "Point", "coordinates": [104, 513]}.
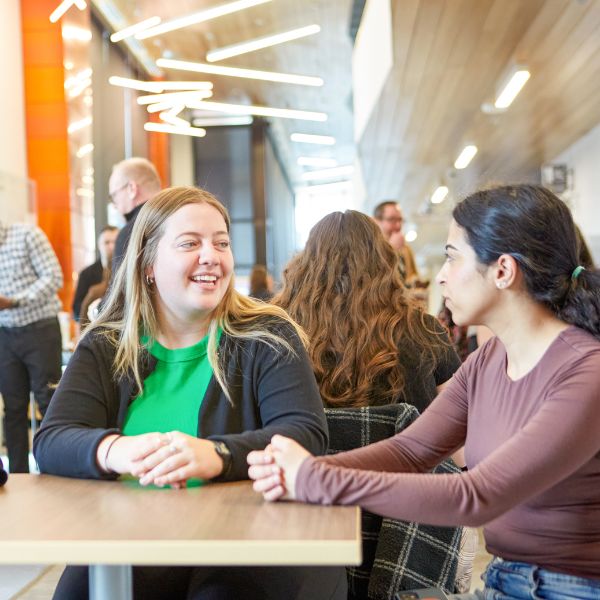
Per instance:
{"type": "Point", "coordinates": [46, 127]}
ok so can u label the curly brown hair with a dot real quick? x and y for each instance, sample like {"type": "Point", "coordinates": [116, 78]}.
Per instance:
{"type": "Point", "coordinates": [346, 291]}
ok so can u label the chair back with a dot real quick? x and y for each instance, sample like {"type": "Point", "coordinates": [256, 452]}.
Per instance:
{"type": "Point", "coordinates": [397, 555]}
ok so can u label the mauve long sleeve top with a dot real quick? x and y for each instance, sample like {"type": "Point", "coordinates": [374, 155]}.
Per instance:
{"type": "Point", "coordinates": [532, 447]}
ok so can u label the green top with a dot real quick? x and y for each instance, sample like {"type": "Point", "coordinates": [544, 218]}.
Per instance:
{"type": "Point", "coordinates": [173, 392]}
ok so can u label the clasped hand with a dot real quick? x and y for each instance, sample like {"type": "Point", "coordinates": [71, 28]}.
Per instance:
{"type": "Point", "coordinates": [161, 458]}
{"type": "Point", "coordinates": [274, 469]}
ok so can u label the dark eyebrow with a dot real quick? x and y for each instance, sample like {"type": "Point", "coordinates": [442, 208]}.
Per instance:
{"type": "Point", "coordinates": [450, 247]}
{"type": "Point", "coordinates": [196, 234]}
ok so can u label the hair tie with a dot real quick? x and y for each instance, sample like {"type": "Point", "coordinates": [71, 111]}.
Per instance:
{"type": "Point", "coordinates": [576, 272]}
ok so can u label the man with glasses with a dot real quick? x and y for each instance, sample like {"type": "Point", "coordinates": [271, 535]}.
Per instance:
{"type": "Point", "coordinates": [132, 182]}
{"type": "Point", "coordinates": [388, 215]}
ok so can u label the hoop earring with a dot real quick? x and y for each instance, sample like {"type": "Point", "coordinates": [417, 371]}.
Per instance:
{"type": "Point", "coordinates": [149, 280]}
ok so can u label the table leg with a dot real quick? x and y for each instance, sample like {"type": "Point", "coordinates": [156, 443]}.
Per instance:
{"type": "Point", "coordinates": [111, 582]}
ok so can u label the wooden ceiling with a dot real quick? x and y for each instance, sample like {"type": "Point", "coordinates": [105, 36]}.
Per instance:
{"type": "Point", "coordinates": [449, 56]}
{"type": "Point", "coordinates": [326, 55]}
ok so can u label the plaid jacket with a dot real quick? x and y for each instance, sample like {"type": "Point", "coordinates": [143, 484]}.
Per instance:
{"type": "Point", "coordinates": [397, 555]}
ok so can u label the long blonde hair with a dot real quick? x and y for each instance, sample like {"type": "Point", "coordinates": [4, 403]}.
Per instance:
{"type": "Point", "coordinates": [129, 310]}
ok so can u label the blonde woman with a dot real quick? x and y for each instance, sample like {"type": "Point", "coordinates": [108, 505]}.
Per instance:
{"type": "Point", "coordinates": [178, 379]}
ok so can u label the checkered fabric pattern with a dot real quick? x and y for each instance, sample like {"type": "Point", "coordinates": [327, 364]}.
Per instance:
{"type": "Point", "coordinates": [397, 555]}
{"type": "Point", "coordinates": [29, 273]}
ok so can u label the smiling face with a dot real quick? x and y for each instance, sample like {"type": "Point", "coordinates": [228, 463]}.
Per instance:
{"type": "Point", "coordinates": [469, 292]}
{"type": "Point", "coordinates": [193, 265]}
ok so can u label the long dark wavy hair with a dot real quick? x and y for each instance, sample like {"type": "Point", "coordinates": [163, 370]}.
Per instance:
{"type": "Point", "coordinates": [346, 291]}
{"type": "Point", "coordinates": [536, 228]}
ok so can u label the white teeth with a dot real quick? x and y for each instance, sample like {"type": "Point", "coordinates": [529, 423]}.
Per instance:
{"type": "Point", "coordinates": [206, 278]}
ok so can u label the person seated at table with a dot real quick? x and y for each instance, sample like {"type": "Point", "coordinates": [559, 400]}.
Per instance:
{"type": "Point", "coordinates": [178, 378]}
{"type": "Point", "coordinates": [369, 344]}
{"type": "Point", "coordinates": [525, 405]}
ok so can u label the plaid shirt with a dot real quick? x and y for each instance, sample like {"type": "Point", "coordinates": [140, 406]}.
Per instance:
{"type": "Point", "coordinates": [29, 273]}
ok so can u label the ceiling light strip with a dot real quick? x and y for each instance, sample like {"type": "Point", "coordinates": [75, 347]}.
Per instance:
{"type": "Point", "coordinates": [133, 29]}
{"type": "Point", "coordinates": [512, 88]}
{"type": "Point", "coordinates": [64, 6]}
{"type": "Point", "coordinates": [183, 65]}
{"type": "Point", "coordinates": [316, 161]}
{"type": "Point", "coordinates": [260, 43]}
{"type": "Point", "coordinates": [199, 17]}
{"type": "Point", "coordinates": [159, 86]}
{"type": "Point", "coordinates": [164, 128]}
{"type": "Point", "coordinates": [222, 121]}
{"type": "Point", "coordinates": [175, 97]}
{"type": "Point", "coordinates": [262, 111]}
{"type": "Point", "coordinates": [465, 157]}
{"type": "Point", "coordinates": [439, 195]}
{"type": "Point", "coordinates": [305, 138]}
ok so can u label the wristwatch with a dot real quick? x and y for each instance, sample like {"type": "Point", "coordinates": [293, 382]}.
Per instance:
{"type": "Point", "coordinates": [223, 451]}
{"type": "Point", "coordinates": [14, 303]}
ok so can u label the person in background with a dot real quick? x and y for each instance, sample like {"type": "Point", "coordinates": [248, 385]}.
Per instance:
{"type": "Point", "coordinates": [30, 340]}
{"type": "Point", "coordinates": [369, 344]}
{"type": "Point", "coordinates": [96, 272]}
{"type": "Point", "coordinates": [261, 285]}
{"type": "Point", "coordinates": [132, 183]}
{"type": "Point", "coordinates": [525, 405]}
{"type": "Point", "coordinates": [178, 378]}
{"type": "Point", "coordinates": [388, 216]}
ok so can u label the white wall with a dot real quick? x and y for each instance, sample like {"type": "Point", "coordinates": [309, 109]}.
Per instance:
{"type": "Point", "coordinates": [181, 155]}
{"type": "Point", "coordinates": [13, 160]}
{"type": "Point", "coordinates": [584, 158]}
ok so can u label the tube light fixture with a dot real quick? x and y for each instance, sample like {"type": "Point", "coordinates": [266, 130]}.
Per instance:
{"type": "Point", "coordinates": [182, 65]}
{"type": "Point", "coordinates": [325, 140]}
{"type": "Point", "coordinates": [85, 192]}
{"type": "Point", "coordinates": [159, 86]}
{"type": "Point", "coordinates": [465, 157]}
{"type": "Point", "coordinates": [221, 121]}
{"type": "Point", "coordinates": [175, 97]}
{"type": "Point", "coordinates": [440, 193]}
{"type": "Point", "coordinates": [262, 111]}
{"type": "Point", "coordinates": [64, 6]}
{"type": "Point", "coordinates": [77, 125]}
{"type": "Point", "coordinates": [133, 29]}
{"type": "Point", "coordinates": [315, 161]}
{"type": "Point", "coordinates": [199, 17]}
{"type": "Point", "coordinates": [411, 235]}
{"type": "Point", "coordinates": [170, 116]}
{"type": "Point", "coordinates": [262, 42]}
{"type": "Point", "coordinates": [77, 34]}
{"type": "Point", "coordinates": [328, 173]}
{"type": "Point", "coordinates": [512, 88]}
{"type": "Point", "coordinates": [164, 128]}
{"type": "Point", "coordinates": [85, 149]}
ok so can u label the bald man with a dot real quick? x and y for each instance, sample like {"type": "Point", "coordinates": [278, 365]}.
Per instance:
{"type": "Point", "coordinates": [132, 183]}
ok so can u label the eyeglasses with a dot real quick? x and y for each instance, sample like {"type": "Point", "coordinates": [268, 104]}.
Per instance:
{"type": "Point", "coordinates": [112, 194]}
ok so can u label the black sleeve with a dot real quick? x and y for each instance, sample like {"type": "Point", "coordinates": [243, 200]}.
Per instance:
{"type": "Point", "coordinates": [448, 361]}
{"type": "Point", "coordinates": [88, 277]}
{"type": "Point", "coordinates": [288, 399]}
{"type": "Point", "coordinates": [82, 413]}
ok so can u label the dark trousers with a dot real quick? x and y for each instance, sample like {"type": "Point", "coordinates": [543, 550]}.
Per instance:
{"type": "Point", "coordinates": [30, 360]}
{"type": "Point", "coordinates": [219, 583]}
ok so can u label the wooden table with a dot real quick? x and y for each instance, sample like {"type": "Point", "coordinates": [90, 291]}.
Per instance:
{"type": "Point", "coordinates": [113, 525]}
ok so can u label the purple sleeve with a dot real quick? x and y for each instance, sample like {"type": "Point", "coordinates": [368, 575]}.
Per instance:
{"type": "Point", "coordinates": [528, 463]}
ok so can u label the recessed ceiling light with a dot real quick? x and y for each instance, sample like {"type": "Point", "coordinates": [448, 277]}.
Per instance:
{"type": "Point", "coordinates": [183, 65]}
{"type": "Point", "coordinates": [440, 193]}
{"type": "Point", "coordinates": [259, 43]}
{"type": "Point", "coordinates": [465, 157]}
{"type": "Point", "coordinates": [515, 84]}
{"type": "Point", "coordinates": [199, 17]}
{"type": "Point", "coordinates": [262, 111]}
{"type": "Point", "coordinates": [305, 138]}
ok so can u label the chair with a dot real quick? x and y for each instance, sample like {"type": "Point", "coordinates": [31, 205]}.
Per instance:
{"type": "Point", "coordinates": [397, 555]}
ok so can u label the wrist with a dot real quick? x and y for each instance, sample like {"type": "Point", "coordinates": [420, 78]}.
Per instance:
{"type": "Point", "coordinates": [103, 453]}
{"type": "Point", "coordinates": [224, 459]}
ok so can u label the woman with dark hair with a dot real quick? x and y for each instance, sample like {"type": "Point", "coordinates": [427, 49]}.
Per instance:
{"type": "Point", "coordinates": [368, 343]}
{"type": "Point", "coordinates": [525, 405]}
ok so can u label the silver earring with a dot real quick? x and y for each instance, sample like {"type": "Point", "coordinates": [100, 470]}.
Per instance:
{"type": "Point", "coordinates": [149, 280]}
{"type": "Point", "coordinates": [501, 284]}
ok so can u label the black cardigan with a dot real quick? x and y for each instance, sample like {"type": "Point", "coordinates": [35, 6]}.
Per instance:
{"type": "Point", "coordinates": [272, 391]}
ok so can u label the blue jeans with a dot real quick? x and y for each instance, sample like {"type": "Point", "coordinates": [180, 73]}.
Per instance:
{"type": "Point", "coordinates": [506, 580]}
